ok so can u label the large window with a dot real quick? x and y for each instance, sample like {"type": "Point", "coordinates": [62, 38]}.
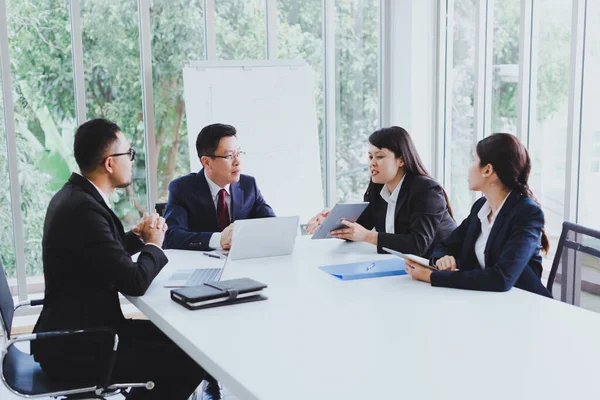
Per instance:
{"type": "Point", "coordinates": [44, 93]}
{"type": "Point", "coordinates": [7, 249]}
{"type": "Point", "coordinates": [589, 171]}
{"type": "Point", "coordinates": [505, 68]}
{"type": "Point", "coordinates": [300, 37]}
{"type": "Point", "coordinates": [240, 29]}
{"type": "Point", "coordinates": [461, 137]}
{"type": "Point", "coordinates": [549, 112]}
{"type": "Point", "coordinates": [114, 89]}
{"type": "Point", "coordinates": [177, 37]}
{"type": "Point", "coordinates": [42, 80]}
{"type": "Point", "coordinates": [357, 94]}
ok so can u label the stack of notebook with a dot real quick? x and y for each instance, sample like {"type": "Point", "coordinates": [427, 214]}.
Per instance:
{"type": "Point", "coordinates": [215, 294]}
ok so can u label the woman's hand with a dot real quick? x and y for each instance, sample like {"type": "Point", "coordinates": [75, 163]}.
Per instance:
{"type": "Point", "coordinates": [355, 232]}
{"type": "Point", "coordinates": [315, 222]}
{"type": "Point", "coordinates": [417, 271]}
{"type": "Point", "coordinates": [446, 263]}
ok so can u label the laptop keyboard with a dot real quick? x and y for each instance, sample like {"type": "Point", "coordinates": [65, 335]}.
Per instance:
{"type": "Point", "coordinates": [199, 276]}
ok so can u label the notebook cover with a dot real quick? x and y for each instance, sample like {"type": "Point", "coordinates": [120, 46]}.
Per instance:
{"type": "Point", "coordinates": [195, 294]}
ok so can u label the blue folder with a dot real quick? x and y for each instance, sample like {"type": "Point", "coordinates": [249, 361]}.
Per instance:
{"type": "Point", "coordinates": [366, 269]}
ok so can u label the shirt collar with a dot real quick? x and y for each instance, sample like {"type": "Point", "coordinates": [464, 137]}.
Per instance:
{"type": "Point", "coordinates": [104, 196]}
{"type": "Point", "coordinates": [391, 197]}
{"type": "Point", "coordinates": [486, 209]}
{"type": "Point", "coordinates": [214, 188]}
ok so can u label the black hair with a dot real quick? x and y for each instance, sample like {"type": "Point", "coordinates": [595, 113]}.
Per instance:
{"type": "Point", "coordinates": [511, 161]}
{"type": "Point", "coordinates": [398, 141]}
{"type": "Point", "coordinates": [92, 140]}
{"type": "Point", "coordinates": [210, 136]}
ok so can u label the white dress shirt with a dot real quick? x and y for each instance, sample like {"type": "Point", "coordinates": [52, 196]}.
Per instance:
{"type": "Point", "coordinates": [107, 201]}
{"type": "Point", "coordinates": [391, 199]}
{"type": "Point", "coordinates": [486, 228]}
{"type": "Point", "coordinates": [215, 239]}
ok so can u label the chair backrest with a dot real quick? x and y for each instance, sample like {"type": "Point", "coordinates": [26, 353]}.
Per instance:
{"type": "Point", "coordinates": [571, 247]}
{"type": "Point", "coordinates": [160, 208]}
{"type": "Point", "coordinates": [6, 304]}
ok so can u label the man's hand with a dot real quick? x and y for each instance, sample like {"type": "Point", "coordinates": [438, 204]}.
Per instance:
{"type": "Point", "coordinates": [154, 229]}
{"type": "Point", "coordinates": [315, 222]}
{"type": "Point", "coordinates": [226, 237]}
{"type": "Point", "coordinates": [137, 230]}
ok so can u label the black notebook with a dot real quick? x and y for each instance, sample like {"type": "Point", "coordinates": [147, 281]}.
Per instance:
{"type": "Point", "coordinates": [215, 294]}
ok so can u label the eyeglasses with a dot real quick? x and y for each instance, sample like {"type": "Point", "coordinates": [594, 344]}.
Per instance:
{"type": "Point", "coordinates": [130, 153]}
{"type": "Point", "coordinates": [229, 157]}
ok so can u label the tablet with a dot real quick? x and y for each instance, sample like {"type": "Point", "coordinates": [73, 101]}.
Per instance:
{"type": "Point", "coordinates": [419, 260]}
{"type": "Point", "coordinates": [349, 212]}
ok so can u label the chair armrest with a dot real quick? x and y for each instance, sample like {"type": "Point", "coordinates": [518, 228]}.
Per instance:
{"type": "Point", "coordinates": [45, 335]}
{"type": "Point", "coordinates": [29, 303]}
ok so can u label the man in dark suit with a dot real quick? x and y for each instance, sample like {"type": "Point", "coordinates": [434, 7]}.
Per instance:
{"type": "Point", "coordinates": [203, 206]}
{"type": "Point", "coordinates": [87, 262]}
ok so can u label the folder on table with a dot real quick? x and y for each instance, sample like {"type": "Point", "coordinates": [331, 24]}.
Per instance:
{"type": "Point", "coordinates": [366, 269]}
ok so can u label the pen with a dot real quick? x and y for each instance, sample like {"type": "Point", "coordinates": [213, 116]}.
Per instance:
{"type": "Point", "coordinates": [212, 255]}
{"type": "Point", "coordinates": [370, 266]}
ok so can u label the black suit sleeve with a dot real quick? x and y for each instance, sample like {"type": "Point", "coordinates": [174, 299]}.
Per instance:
{"type": "Point", "coordinates": [523, 241]}
{"type": "Point", "coordinates": [133, 243]}
{"type": "Point", "coordinates": [428, 207]}
{"type": "Point", "coordinates": [109, 260]}
{"type": "Point", "coordinates": [260, 209]}
{"type": "Point", "coordinates": [367, 218]}
{"type": "Point", "coordinates": [179, 235]}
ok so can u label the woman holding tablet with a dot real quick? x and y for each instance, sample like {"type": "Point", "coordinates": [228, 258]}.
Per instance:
{"type": "Point", "coordinates": [498, 245]}
{"type": "Point", "coordinates": [408, 209]}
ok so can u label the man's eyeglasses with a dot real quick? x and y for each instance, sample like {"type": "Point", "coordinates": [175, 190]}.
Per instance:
{"type": "Point", "coordinates": [130, 153]}
{"type": "Point", "coordinates": [229, 157]}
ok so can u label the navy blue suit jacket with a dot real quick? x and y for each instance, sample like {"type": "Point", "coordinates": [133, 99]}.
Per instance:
{"type": "Point", "coordinates": [512, 252]}
{"type": "Point", "coordinates": [191, 214]}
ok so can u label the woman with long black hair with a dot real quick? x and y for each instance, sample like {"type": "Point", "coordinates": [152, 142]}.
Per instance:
{"type": "Point", "coordinates": [408, 209]}
{"type": "Point", "coordinates": [498, 245]}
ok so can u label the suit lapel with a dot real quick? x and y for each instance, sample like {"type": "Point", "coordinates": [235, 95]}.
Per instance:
{"type": "Point", "coordinates": [403, 195]}
{"type": "Point", "coordinates": [82, 182]}
{"type": "Point", "coordinates": [513, 198]}
{"type": "Point", "coordinates": [236, 200]}
{"type": "Point", "coordinates": [204, 197]}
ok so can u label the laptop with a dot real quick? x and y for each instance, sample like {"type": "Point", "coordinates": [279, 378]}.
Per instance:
{"type": "Point", "coordinates": [194, 276]}
{"type": "Point", "coordinates": [263, 237]}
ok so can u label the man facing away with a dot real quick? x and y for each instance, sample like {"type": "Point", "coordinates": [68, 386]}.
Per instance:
{"type": "Point", "coordinates": [87, 262]}
{"type": "Point", "coordinates": [203, 206]}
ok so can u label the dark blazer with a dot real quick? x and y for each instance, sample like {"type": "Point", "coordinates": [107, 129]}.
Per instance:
{"type": "Point", "coordinates": [87, 262]}
{"type": "Point", "coordinates": [421, 216]}
{"type": "Point", "coordinates": [191, 214]}
{"type": "Point", "coordinates": [512, 252]}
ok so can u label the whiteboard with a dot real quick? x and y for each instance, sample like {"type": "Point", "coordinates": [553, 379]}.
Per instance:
{"type": "Point", "coordinates": [272, 106]}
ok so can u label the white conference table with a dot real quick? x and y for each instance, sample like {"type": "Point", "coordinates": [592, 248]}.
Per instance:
{"type": "Point", "coordinates": [318, 337]}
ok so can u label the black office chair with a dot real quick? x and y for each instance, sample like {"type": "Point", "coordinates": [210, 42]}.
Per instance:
{"type": "Point", "coordinates": [569, 261]}
{"type": "Point", "coordinates": [160, 208]}
{"type": "Point", "coordinates": [23, 376]}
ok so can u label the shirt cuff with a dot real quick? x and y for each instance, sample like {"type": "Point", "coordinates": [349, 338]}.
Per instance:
{"type": "Point", "coordinates": [155, 245]}
{"type": "Point", "coordinates": [215, 241]}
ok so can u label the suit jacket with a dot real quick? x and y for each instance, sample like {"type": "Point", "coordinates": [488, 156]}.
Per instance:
{"type": "Point", "coordinates": [421, 216]}
{"type": "Point", "coordinates": [191, 214]}
{"type": "Point", "coordinates": [87, 262]}
{"type": "Point", "coordinates": [512, 252]}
